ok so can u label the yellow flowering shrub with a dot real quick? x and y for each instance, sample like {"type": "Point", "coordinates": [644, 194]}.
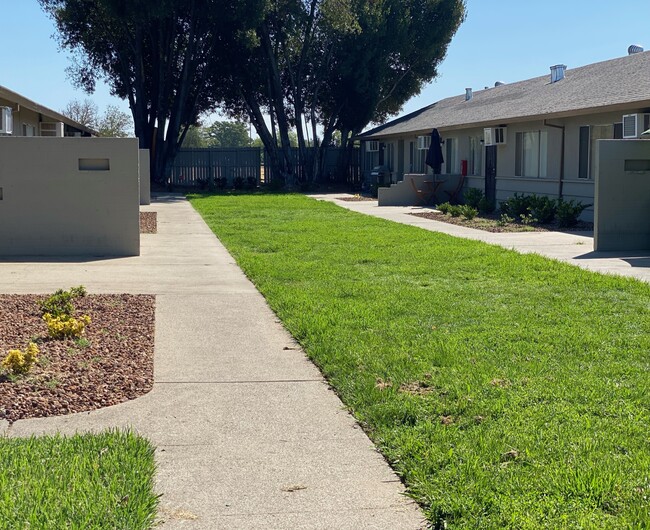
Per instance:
{"type": "Point", "coordinates": [64, 326]}
{"type": "Point", "coordinates": [20, 362]}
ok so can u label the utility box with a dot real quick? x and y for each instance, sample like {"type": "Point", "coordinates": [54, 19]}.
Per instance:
{"type": "Point", "coordinates": [380, 175]}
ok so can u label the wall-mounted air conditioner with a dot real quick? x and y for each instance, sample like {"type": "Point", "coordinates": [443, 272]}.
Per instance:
{"type": "Point", "coordinates": [6, 120]}
{"type": "Point", "coordinates": [51, 128]}
{"type": "Point", "coordinates": [372, 146]}
{"type": "Point", "coordinates": [635, 124]}
{"type": "Point", "coordinates": [495, 135]}
{"type": "Point", "coordinates": [424, 142]}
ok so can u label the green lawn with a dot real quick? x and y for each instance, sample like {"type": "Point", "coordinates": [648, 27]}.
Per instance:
{"type": "Point", "coordinates": [84, 482]}
{"type": "Point", "coordinates": [509, 391]}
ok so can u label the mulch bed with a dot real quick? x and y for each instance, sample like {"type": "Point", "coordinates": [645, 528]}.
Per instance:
{"type": "Point", "coordinates": [148, 222]}
{"type": "Point", "coordinates": [488, 223]}
{"type": "Point", "coordinates": [356, 198]}
{"type": "Point", "coordinates": [111, 363]}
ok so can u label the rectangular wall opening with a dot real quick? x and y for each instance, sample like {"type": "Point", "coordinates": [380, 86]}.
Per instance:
{"type": "Point", "coordinates": [637, 165]}
{"type": "Point", "coordinates": [94, 164]}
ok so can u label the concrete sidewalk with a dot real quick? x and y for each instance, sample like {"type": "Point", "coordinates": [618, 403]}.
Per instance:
{"type": "Point", "coordinates": [576, 248]}
{"type": "Point", "coordinates": [248, 433]}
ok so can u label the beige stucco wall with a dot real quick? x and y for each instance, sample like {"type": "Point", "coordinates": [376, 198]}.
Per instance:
{"type": "Point", "coordinates": [622, 198]}
{"type": "Point", "coordinates": [145, 176]}
{"type": "Point", "coordinates": [50, 207]}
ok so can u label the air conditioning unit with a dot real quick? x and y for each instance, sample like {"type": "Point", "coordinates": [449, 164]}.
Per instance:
{"type": "Point", "coordinates": [372, 146]}
{"type": "Point", "coordinates": [6, 120]}
{"type": "Point", "coordinates": [424, 142]}
{"type": "Point", "coordinates": [51, 128]}
{"type": "Point", "coordinates": [635, 124]}
{"type": "Point", "coordinates": [495, 135]}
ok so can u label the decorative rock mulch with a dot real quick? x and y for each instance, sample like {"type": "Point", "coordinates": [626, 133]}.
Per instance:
{"type": "Point", "coordinates": [488, 223]}
{"type": "Point", "coordinates": [148, 222]}
{"type": "Point", "coordinates": [112, 362]}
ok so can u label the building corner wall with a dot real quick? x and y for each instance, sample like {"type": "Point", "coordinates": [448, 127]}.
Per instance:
{"type": "Point", "coordinates": [622, 195]}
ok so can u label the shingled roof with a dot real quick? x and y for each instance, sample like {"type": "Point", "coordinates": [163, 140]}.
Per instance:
{"type": "Point", "coordinates": [600, 87]}
{"type": "Point", "coordinates": [15, 97]}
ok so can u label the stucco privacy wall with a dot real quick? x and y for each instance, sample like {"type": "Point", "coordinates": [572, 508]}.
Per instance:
{"type": "Point", "coordinates": [69, 197]}
{"type": "Point", "coordinates": [622, 195]}
{"type": "Point", "coordinates": [145, 177]}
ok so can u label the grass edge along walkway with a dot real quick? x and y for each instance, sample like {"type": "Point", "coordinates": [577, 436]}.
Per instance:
{"type": "Point", "coordinates": [508, 390]}
{"type": "Point", "coordinates": [85, 481]}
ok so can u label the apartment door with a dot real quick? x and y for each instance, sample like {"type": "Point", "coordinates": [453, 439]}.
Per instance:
{"type": "Point", "coordinates": [491, 173]}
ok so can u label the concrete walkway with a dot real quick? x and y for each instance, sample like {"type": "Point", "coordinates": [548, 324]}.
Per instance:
{"type": "Point", "coordinates": [248, 434]}
{"type": "Point", "coordinates": [572, 247]}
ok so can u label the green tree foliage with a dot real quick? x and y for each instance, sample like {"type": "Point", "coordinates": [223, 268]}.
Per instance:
{"type": "Point", "coordinates": [228, 134]}
{"type": "Point", "coordinates": [161, 56]}
{"type": "Point", "coordinates": [194, 138]}
{"type": "Point", "coordinates": [324, 65]}
{"type": "Point", "coordinates": [114, 123]}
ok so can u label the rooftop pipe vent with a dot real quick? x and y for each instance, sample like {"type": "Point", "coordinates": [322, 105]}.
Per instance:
{"type": "Point", "coordinates": [499, 83]}
{"type": "Point", "coordinates": [557, 72]}
{"type": "Point", "coordinates": [634, 48]}
{"type": "Point", "coordinates": [468, 94]}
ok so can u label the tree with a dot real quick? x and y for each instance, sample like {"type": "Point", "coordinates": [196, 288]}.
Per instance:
{"type": "Point", "coordinates": [161, 56]}
{"type": "Point", "coordinates": [113, 123]}
{"type": "Point", "coordinates": [85, 112]}
{"type": "Point", "coordinates": [194, 138]}
{"type": "Point", "coordinates": [326, 65]}
{"type": "Point", "coordinates": [228, 134]}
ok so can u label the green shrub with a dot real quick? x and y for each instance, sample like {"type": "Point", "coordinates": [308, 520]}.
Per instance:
{"type": "Point", "coordinates": [60, 303]}
{"type": "Point", "coordinates": [444, 207]}
{"type": "Point", "coordinates": [473, 197]}
{"type": "Point", "coordinates": [238, 183]}
{"type": "Point", "coordinates": [569, 211]}
{"type": "Point", "coordinates": [251, 183]}
{"type": "Point", "coordinates": [527, 219]}
{"type": "Point", "coordinates": [517, 205]}
{"type": "Point", "coordinates": [468, 212]}
{"type": "Point", "coordinates": [455, 210]}
{"type": "Point", "coordinates": [504, 220]}
{"type": "Point", "coordinates": [221, 183]}
{"type": "Point", "coordinates": [486, 206]}
{"type": "Point", "coordinates": [543, 208]}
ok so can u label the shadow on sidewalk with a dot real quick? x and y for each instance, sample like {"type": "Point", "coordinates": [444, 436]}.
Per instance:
{"type": "Point", "coordinates": [637, 259]}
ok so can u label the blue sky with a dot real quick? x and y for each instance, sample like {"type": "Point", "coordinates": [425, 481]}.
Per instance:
{"type": "Point", "coordinates": [501, 40]}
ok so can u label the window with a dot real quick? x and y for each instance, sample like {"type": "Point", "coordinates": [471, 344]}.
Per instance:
{"type": "Point", "coordinates": [531, 154]}
{"type": "Point", "coordinates": [451, 156]}
{"type": "Point", "coordinates": [475, 151]}
{"type": "Point", "coordinates": [418, 156]}
{"type": "Point", "coordinates": [29, 130]}
{"type": "Point", "coordinates": [589, 135]}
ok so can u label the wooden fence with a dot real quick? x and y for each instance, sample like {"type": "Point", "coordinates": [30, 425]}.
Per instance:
{"type": "Point", "coordinates": [200, 167]}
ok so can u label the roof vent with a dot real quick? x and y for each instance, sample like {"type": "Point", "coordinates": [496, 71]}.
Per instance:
{"type": "Point", "coordinates": [468, 94]}
{"type": "Point", "coordinates": [557, 72]}
{"type": "Point", "coordinates": [634, 48]}
{"type": "Point", "coordinates": [499, 83]}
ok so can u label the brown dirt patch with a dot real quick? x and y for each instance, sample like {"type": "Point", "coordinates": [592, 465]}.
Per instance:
{"type": "Point", "coordinates": [488, 223]}
{"type": "Point", "coordinates": [148, 222]}
{"type": "Point", "coordinates": [356, 198]}
{"type": "Point", "coordinates": [112, 363]}
{"type": "Point", "coordinates": [417, 388]}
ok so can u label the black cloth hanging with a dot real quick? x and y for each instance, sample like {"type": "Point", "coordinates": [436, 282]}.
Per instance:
{"type": "Point", "coordinates": [434, 155]}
